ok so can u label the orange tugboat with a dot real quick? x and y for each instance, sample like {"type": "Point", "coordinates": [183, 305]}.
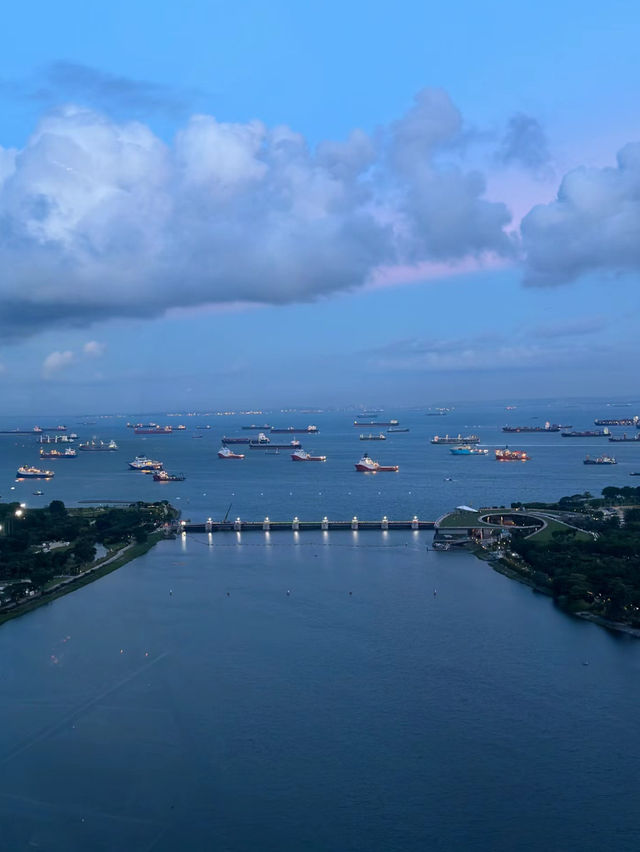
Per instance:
{"type": "Point", "coordinates": [368, 465]}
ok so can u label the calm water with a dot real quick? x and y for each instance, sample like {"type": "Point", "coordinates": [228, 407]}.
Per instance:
{"type": "Point", "coordinates": [310, 692]}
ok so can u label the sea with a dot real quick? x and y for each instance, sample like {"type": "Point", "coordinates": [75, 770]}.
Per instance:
{"type": "Point", "coordinates": [346, 690]}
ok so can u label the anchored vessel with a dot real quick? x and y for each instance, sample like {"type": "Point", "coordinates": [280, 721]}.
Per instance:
{"type": "Point", "coordinates": [265, 427]}
{"type": "Point", "coordinates": [163, 476]}
{"type": "Point", "coordinates": [57, 439]}
{"type": "Point", "coordinates": [587, 433]}
{"type": "Point", "coordinates": [301, 455]}
{"type": "Point", "coordinates": [458, 439]}
{"type": "Point", "coordinates": [29, 472]}
{"type": "Point", "coordinates": [375, 422]}
{"type": "Point", "coordinates": [368, 465]}
{"type": "Point", "coordinates": [58, 454]}
{"type": "Point", "coordinates": [307, 430]}
{"type": "Point", "coordinates": [619, 421]}
{"type": "Point", "coordinates": [511, 455]}
{"type": "Point", "coordinates": [225, 440]}
{"type": "Point", "coordinates": [600, 460]}
{"type": "Point", "coordinates": [263, 442]}
{"type": "Point", "coordinates": [152, 430]}
{"type": "Point", "coordinates": [145, 464]}
{"type": "Point", "coordinates": [468, 450]}
{"type": "Point", "coordinates": [226, 453]}
{"type": "Point", "coordinates": [371, 437]}
{"type": "Point", "coordinates": [98, 446]}
{"type": "Point", "coordinates": [398, 429]}
{"type": "Point", "coordinates": [548, 427]}
{"type": "Point", "coordinates": [624, 438]}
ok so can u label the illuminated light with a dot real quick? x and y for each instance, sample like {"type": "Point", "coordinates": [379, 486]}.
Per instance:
{"type": "Point", "coordinates": [19, 513]}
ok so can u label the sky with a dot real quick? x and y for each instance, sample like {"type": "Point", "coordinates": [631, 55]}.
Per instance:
{"type": "Point", "coordinates": [205, 205]}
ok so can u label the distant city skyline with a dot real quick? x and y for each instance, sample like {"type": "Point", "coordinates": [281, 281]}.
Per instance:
{"type": "Point", "coordinates": [214, 206]}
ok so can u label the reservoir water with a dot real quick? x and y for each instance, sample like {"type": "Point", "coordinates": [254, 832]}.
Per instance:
{"type": "Point", "coordinates": [337, 691]}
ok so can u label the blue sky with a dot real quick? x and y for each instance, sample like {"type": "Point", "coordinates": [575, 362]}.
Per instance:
{"type": "Point", "coordinates": [276, 204]}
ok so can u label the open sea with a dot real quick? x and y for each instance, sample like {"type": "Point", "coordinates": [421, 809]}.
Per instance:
{"type": "Point", "coordinates": [318, 691]}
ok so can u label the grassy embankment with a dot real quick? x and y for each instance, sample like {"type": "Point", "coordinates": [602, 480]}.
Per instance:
{"type": "Point", "coordinates": [115, 559]}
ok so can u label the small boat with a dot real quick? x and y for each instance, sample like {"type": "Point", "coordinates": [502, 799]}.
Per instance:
{"type": "Point", "coordinates": [226, 453]}
{"type": "Point", "coordinates": [368, 465]}
{"type": "Point", "coordinates": [600, 460]}
{"type": "Point", "coordinates": [301, 455]}
{"type": "Point", "coordinates": [371, 437]}
{"type": "Point", "coordinates": [38, 493]}
{"type": "Point", "coordinates": [30, 472]}
{"type": "Point", "coordinates": [163, 476]}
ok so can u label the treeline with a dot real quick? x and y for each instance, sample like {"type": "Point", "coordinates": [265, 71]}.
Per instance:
{"type": "Point", "coordinates": [25, 536]}
{"type": "Point", "coordinates": [601, 575]}
{"type": "Point", "coordinates": [625, 495]}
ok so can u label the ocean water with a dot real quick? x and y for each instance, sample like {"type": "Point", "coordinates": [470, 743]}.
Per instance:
{"type": "Point", "coordinates": [310, 691]}
{"type": "Point", "coordinates": [429, 482]}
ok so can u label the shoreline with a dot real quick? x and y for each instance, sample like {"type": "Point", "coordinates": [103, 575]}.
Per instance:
{"type": "Point", "coordinates": [502, 567]}
{"type": "Point", "coordinates": [65, 587]}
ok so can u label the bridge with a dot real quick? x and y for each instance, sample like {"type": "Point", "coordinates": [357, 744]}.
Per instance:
{"type": "Point", "coordinates": [297, 525]}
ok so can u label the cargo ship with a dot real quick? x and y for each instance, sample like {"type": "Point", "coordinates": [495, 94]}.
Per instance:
{"type": "Point", "coordinates": [548, 427]}
{"type": "Point", "coordinates": [57, 439]}
{"type": "Point", "coordinates": [152, 430]}
{"type": "Point", "coordinates": [458, 439]}
{"type": "Point", "coordinates": [304, 430]}
{"type": "Point", "coordinates": [301, 455]}
{"type": "Point", "coordinates": [468, 450]}
{"type": "Point", "coordinates": [145, 464]}
{"type": "Point", "coordinates": [226, 453]}
{"type": "Point", "coordinates": [264, 428]}
{"type": "Point", "coordinates": [264, 445]}
{"type": "Point", "coordinates": [163, 476]}
{"type": "Point", "coordinates": [600, 460]}
{"type": "Point", "coordinates": [370, 437]}
{"type": "Point", "coordinates": [226, 440]}
{"type": "Point", "coordinates": [511, 455]}
{"type": "Point", "coordinates": [29, 472]}
{"type": "Point", "coordinates": [587, 433]}
{"type": "Point", "coordinates": [58, 454]}
{"type": "Point", "coordinates": [398, 429]}
{"type": "Point", "coordinates": [375, 422]}
{"type": "Point", "coordinates": [94, 446]}
{"type": "Point", "coordinates": [621, 421]}
{"type": "Point", "coordinates": [368, 465]}
{"type": "Point", "coordinates": [625, 439]}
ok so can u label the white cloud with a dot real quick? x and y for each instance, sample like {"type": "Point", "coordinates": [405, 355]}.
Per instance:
{"type": "Point", "coordinates": [593, 224]}
{"type": "Point", "coordinates": [93, 349]}
{"type": "Point", "coordinates": [56, 361]}
{"type": "Point", "coordinates": [103, 219]}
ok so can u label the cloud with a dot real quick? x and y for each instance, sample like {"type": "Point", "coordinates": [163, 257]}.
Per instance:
{"type": "Point", "coordinates": [93, 349]}
{"type": "Point", "coordinates": [571, 328]}
{"type": "Point", "coordinates": [592, 226]}
{"type": "Point", "coordinates": [473, 354]}
{"type": "Point", "coordinates": [63, 81]}
{"type": "Point", "coordinates": [525, 144]}
{"type": "Point", "coordinates": [101, 219]}
{"type": "Point", "coordinates": [56, 361]}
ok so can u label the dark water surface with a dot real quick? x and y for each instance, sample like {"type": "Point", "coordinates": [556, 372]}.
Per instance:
{"type": "Point", "coordinates": [310, 692]}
